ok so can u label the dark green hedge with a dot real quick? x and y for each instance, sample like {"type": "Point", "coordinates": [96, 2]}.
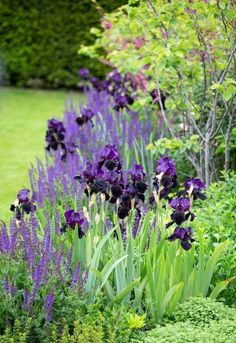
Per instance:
{"type": "Point", "coordinates": [39, 40]}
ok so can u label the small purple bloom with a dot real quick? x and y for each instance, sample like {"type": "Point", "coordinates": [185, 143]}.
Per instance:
{"type": "Point", "coordinates": [55, 135]}
{"type": "Point", "coordinates": [84, 73]}
{"type": "Point", "coordinates": [137, 172]}
{"type": "Point", "coordinates": [26, 299]}
{"type": "Point", "coordinates": [115, 76]}
{"type": "Point", "coordinates": [156, 98]}
{"type": "Point", "coordinates": [180, 204]}
{"type": "Point", "coordinates": [167, 166]}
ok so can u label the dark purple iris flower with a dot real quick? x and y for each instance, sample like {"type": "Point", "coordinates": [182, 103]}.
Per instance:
{"type": "Point", "coordinates": [182, 211]}
{"type": "Point", "coordinates": [165, 179]}
{"type": "Point", "coordinates": [109, 152]}
{"type": "Point", "coordinates": [23, 196]}
{"type": "Point", "coordinates": [55, 135]}
{"type": "Point", "coordinates": [122, 101]}
{"type": "Point", "coordinates": [23, 204]}
{"type": "Point", "coordinates": [94, 176]}
{"type": "Point", "coordinates": [137, 172]}
{"type": "Point", "coordinates": [109, 158]}
{"type": "Point", "coordinates": [134, 189]}
{"type": "Point", "coordinates": [56, 125]}
{"type": "Point", "coordinates": [184, 235]}
{"type": "Point", "coordinates": [125, 206]}
{"type": "Point", "coordinates": [85, 116]}
{"type": "Point", "coordinates": [115, 76]}
{"type": "Point", "coordinates": [92, 172]}
{"type": "Point", "coordinates": [74, 219]}
{"type": "Point", "coordinates": [84, 73]}
{"type": "Point", "coordinates": [196, 185]}
{"type": "Point", "coordinates": [180, 204]}
{"type": "Point", "coordinates": [156, 99]}
{"type": "Point", "coordinates": [166, 166]}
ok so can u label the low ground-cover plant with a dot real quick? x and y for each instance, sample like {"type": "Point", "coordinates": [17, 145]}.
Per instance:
{"type": "Point", "coordinates": [196, 320]}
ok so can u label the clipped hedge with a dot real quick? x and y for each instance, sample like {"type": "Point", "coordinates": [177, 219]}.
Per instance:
{"type": "Point", "coordinates": [39, 40]}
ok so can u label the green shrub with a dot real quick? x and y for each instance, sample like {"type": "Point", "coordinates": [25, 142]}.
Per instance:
{"type": "Point", "coordinates": [216, 332]}
{"type": "Point", "coordinates": [39, 40]}
{"type": "Point", "coordinates": [197, 320]}
{"type": "Point", "coordinates": [199, 311]}
{"type": "Point", "coordinates": [19, 333]}
{"type": "Point", "coordinates": [217, 217]}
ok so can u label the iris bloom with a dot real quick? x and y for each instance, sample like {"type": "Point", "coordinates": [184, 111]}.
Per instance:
{"type": "Point", "coordinates": [55, 134]}
{"type": "Point", "coordinates": [184, 236]}
{"type": "Point", "coordinates": [74, 219]}
{"type": "Point", "coordinates": [166, 166]}
{"type": "Point", "coordinates": [86, 115]}
{"type": "Point", "coordinates": [165, 179]}
{"type": "Point", "coordinates": [23, 204]}
{"type": "Point", "coordinates": [137, 172]}
{"type": "Point", "coordinates": [181, 212]}
{"type": "Point", "coordinates": [195, 187]}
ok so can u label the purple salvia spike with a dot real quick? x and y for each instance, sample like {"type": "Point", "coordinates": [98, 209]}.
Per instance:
{"type": "Point", "coordinates": [48, 304]}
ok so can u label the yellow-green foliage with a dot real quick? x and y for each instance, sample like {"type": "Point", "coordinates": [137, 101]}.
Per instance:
{"type": "Point", "coordinates": [18, 334]}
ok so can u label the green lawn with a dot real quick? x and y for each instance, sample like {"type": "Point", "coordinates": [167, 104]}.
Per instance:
{"type": "Point", "coordinates": [23, 120]}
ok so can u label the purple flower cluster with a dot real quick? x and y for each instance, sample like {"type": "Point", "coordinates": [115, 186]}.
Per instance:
{"type": "Point", "coordinates": [48, 304]}
{"type": "Point", "coordinates": [23, 204]}
{"type": "Point", "coordinates": [121, 88]}
{"type": "Point", "coordinates": [182, 213]}
{"type": "Point", "coordinates": [104, 173]}
{"type": "Point", "coordinates": [43, 263]}
{"type": "Point", "coordinates": [107, 177]}
{"type": "Point", "coordinates": [55, 138]}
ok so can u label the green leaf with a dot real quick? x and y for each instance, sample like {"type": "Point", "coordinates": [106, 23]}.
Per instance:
{"type": "Point", "coordinates": [106, 275]}
{"type": "Point", "coordinates": [174, 293]}
{"type": "Point", "coordinates": [210, 267]}
{"type": "Point", "coordinates": [220, 287]}
{"type": "Point", "coordinates": [126, 290]}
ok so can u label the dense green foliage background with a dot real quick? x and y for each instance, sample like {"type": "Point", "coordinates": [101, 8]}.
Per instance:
{"type": "Point", "coordinates": [39, 40]}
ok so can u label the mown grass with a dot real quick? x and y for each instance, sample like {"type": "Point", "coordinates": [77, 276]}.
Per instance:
{"type": "Point", "coordinates": [23, 120]}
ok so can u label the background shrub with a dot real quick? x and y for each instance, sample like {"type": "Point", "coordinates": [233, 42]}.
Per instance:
{"type": "Point", "coordinates": [39, 40]}
{"type": "Point", "coordinates": [217, 216]}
